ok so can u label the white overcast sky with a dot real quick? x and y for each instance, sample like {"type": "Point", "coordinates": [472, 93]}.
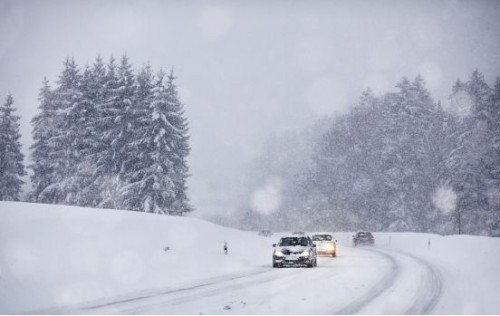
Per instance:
{"type": "Point", "coordinates": [248, 69]}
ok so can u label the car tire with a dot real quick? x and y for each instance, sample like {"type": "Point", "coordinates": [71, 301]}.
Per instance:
{"type": "Point", "coordinates": [334, 254]}
{"type": "Point", "coordinates": [276, 265]}
{"type": "Point", "coordinates": [315, 262]}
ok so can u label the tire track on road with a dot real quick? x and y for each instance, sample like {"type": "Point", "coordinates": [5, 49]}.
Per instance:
{"type": "Point", "coordinates": [174, 297]}
{"type": "Point", "coordinates": [211, 290]}
{"type": "Point", "coordinates": [383, 285]}
{"type": "Point", "coordinates": [144, 295]}
{"type": "Point", "coordinates": [430, 290]}
{"type": "Point", "coordinates": [426, 295]}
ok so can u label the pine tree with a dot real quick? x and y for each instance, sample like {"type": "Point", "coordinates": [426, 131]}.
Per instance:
{"type": "Point", "coordinates": [66, 97]}
{"type": "Point", "coordinates": [104, 181]}
{"type": "Point", "coordinates": [81, 136]}
{"type": "Point", "coordinates": [466, 159]}
{"type": "Point", "coordinates": [117, 126]}
{"type": "Point", "coordinates": [133, 193]}
{"type": "Point", "coordinates": [43, 130]}
{"type": "Point", "coordinates": [157, 181]}
{"type": "Point", "coordinates": [179, 146]}
{"type": "Point", "coordinates": [396, 155]}
{"type": "Point", "coordinates": [11, 158]}
{"type": "Point", "coordinates": [442, 143]}
{"type": "Point", "coordinates": [150, 187]}
{"type": "Point", "coordinates": [492, 157]}
{"type": "Point", "coordinates": [493, 154]}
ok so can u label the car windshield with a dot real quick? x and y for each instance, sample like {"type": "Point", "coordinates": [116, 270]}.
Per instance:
{"type": "Point", "coordinates": [322, 237]}
{"type": "Point", "coordinates": [293, 241]}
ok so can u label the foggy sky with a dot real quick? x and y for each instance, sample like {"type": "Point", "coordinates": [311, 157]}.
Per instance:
{"type": "Point", "coordinates": [248, 69]}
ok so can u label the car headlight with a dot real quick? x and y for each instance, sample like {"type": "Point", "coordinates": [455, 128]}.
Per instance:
{"type": "Point", "coordinates": [330, 247]}
{"type": "Point", "coordinates": [305, 253]}
{"type": "Point", "coordinates": [278, 253]}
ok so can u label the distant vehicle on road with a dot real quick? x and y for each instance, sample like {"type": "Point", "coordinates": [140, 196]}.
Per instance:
{"type": "Point", "coordinates": [325, 244]}
{"type": "Point", "coordinates": [295, 251]}
{"type": "Point", "coordinates": [363, 238]}
{"type": "Point", "coordinates": [265, 233]}
{"type": "Point", "coordinates": [299, 233]}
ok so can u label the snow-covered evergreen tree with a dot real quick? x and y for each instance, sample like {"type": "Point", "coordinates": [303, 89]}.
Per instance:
{"type": "Point", "coordinates": [492, 159]}
{"type": "Point", "coordinates": [66, 97]}
{"type": "Point", "coordinates": [104, 180]}
{"type": "Point", "coordinates": [107, 137]}
{"type": "Point", "coordinates": [81, 137]}
{"type": "Point", "coordinates": [466, 159]}
{"type": "Point", "coordinates": [133, 193]}
{"type": "Point", "coordinates": [406, 157]}
{"type": "Point", "coordinates": [11, 158]}
{"type": "Point", "coordinates": [117, 127]}
{"type": "Point", "coordinates": [179, 145]}
{"type": "Point", "coordinates": [43, 130]}
{"type": "Point", "coordinates": [157, 181]}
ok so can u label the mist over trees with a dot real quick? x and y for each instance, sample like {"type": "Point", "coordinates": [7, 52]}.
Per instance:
{"type": "Point", "coordinates": [112, 137]}
{"type": "Point", "coordinates": [398, 162]}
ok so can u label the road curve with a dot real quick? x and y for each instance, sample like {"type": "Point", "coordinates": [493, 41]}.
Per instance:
{"type": "Point", "coordinates": [414, 288]}
{"type": "Point", "coordinates": [365, 280]}
{"type": "Point", "coordinates": [388, 280]}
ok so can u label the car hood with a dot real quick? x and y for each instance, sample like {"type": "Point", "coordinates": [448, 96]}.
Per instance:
{"type": "Point", "coordinates": [294, 248]}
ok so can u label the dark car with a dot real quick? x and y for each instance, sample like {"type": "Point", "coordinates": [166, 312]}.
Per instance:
{"type": "Point", "coordinates": [363, 238]}
{"type": "Point", "coordinates": [294, 251]}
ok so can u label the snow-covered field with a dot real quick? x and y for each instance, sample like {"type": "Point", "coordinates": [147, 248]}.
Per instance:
{"type": "Point", "coordinates": [60, 259]}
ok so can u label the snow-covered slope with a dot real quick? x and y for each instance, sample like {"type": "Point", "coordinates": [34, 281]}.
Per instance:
{"type": "Point", "coordinates": [58, 255]}
{"type": "Point", "coordinates": [78, 260]}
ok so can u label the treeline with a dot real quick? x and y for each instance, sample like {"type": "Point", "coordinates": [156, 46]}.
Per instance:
{"type": "Point", "coordinates": [399, 162]}
{"type": "Point", "coordinates": [111, 136]}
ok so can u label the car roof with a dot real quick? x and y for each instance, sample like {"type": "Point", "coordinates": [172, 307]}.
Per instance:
{"type": "Point", "coordinates": [294, 236]}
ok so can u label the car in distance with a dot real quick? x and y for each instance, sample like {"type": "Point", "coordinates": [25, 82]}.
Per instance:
{"type": "Point", "coordinates": [265, 233]}
{"type": "Point", "coordinates": [295, 251]}
{"type": "Point", "coordinates": [325, 244]}
{"type": "Point", "coordinates": [363, 238]}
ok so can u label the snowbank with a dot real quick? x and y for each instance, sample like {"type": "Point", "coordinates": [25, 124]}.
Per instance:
{"type": "Point", "coordinates": [60, 255]}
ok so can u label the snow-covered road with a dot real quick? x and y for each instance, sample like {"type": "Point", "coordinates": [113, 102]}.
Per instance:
{"type": "Point", "coordinates": [365, 280]}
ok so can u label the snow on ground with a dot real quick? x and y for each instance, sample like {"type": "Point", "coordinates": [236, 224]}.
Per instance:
{"type": "Point", "coordinates": [61, 259]}
{"type": "Point", "coordinates": [58, 255]}
{"type": "Point", "coordinates": [468, 265]}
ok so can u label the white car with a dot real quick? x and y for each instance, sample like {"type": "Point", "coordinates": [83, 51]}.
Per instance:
{"type": "Point", "coordinates": [325, 244]}
{"type": "Point", "coordinates": [295, 251]}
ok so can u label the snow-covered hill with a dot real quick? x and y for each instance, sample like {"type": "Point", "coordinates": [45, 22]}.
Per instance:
{"type": "Point", "coordinates": [65, 259]}
{"type": "Point", "coordinates": [57, 255]}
